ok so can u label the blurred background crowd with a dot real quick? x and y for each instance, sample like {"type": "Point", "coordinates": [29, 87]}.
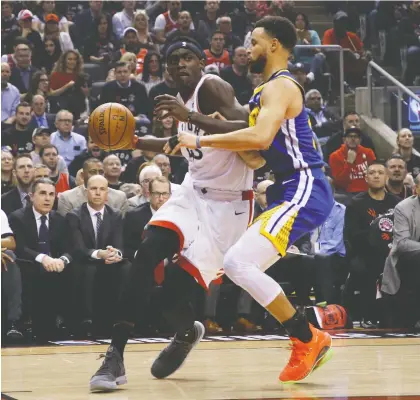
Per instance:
{"type": "Point", "coordinates": [60, 60]}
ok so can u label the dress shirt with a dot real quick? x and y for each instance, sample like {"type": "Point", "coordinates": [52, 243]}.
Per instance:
{"type": "Point", "coordinates": [10, 98]}
{"type": "Point", "coordinates": [94, 220]}
{"type": "Point", "coordinates": [69, 147]}
{"type": "Point", "coordinates": [120, 21]}
{"type": "Point", "coordinates": [329, 236]}
{"type": "Point", "coordinates": [41, 120]}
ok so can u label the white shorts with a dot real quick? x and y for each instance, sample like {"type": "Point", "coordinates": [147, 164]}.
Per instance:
{"type": "Point", "coordinates": [206, 227]}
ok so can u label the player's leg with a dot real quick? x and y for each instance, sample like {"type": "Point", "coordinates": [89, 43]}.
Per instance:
{"type": "Point", "coordinates": [159, 243]}
{"type": "Point", "coordinates": [179, 291]}
{"type": "Point", "coordinates": [245, 264]}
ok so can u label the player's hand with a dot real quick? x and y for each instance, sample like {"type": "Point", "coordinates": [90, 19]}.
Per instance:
{"type": "Point", "coordinates": [4, 259]}
{"type": "Point", "coordinates": [217, 115]}
{"type": "Point", "coordinates": [351, 156]}
{"type": "Point", "coordinates": [170, 106]}
{"type": "Point", "coordinates": [184, 140]}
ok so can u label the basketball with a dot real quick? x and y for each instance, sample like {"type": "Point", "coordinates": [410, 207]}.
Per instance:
{"type": "Point", "coordinates": [111, 126]}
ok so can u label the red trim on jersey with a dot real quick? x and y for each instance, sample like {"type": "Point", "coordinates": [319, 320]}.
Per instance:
{"type": "Point", "coordinates": [173, 227]}
{"type": "Point", "coordinates": [186, 265]}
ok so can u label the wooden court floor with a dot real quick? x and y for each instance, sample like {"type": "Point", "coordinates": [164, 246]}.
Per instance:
{"type": "Point", "coordinates": [368, 368]}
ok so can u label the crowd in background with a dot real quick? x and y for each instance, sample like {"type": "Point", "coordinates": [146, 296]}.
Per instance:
{"type": "Point", "coordinates": [64, 263]}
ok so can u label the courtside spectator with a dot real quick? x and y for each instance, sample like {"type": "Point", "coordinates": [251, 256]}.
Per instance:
{"type": "Point", "coordinates": [360, 212]}
{"type": "Point", "coordinates": [350, 163]}
{"type": "Point", "coordinates": [147, 174]}
{"type": "Point", "coordinates": [402, 272]}
{"type": "Point", "coordinates": [206, 22]}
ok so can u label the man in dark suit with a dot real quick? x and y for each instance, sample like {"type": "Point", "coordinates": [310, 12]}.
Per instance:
{"type": "Point", "coordinates": [22, 72]}
{"type": "Point", "coordinates": [41, 240]}
{"type": "Point", "coordinates": [18, 197]}
{"type": "Point", "coordinates": [39, 117]}
{"type": "Point", "coordinates": [97, 243]}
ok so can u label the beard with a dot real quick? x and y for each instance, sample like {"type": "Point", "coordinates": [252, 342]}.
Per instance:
{"type": "Point", "coordinates": [257, 66]}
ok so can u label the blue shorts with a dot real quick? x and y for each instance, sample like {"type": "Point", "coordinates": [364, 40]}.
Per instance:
{"type": "Point", "coordinates": [297, 204]}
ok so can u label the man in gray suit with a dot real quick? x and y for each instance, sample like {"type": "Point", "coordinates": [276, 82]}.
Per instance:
{"type": "Point", "coordinates": [74, 198]}
{"type": "Point", "coordinates": [402, 267]}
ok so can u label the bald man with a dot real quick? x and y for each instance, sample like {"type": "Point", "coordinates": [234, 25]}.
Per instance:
{"type": "Point", "coordinates": [112, 171]}
{"type": "Point", "coordinates": [261, 197]}
{"type": "Point", "coordinates": [10, 96]}
{"type": "Point", "coordinates": [40, 118]}
{"type": "Point", "coordinates": [96, 239]}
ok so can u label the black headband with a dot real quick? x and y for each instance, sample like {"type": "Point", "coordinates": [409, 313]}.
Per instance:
{"type": "Point", "coordinates": [185, 45]}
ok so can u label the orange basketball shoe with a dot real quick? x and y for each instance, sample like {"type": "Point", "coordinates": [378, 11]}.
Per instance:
{"type": "Point", "coordinates": [307, 356]}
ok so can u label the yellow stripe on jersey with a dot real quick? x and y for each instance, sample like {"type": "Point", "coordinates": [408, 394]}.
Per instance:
{"type": "Point", "coordinates": [281, 239]}
{"type": "Point", "coordinates": [253, 116]}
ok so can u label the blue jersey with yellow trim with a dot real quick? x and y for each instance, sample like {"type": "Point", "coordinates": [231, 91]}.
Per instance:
{"type": "Point", "coordinates": [293, 147]}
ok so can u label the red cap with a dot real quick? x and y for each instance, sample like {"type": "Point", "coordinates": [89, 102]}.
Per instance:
{"type": "Point", "coordinates": [52, 17]}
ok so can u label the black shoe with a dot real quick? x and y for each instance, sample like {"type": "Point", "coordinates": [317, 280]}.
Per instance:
{"type": "Point", "coordinates": [173, 356]}
{"type": "Point", "coordinates": [368, 325]}
{"type": "Point", "coordinates": [110, 374]}
{"type": "Point", "coordinates": [14, 333]}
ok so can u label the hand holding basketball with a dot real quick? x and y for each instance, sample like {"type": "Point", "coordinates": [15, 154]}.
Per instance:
{"type": "Point", "coordinates": [111, 127]}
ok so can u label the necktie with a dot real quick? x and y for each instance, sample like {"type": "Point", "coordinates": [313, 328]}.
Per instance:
{"type": "Point", "coordinates": [41, 122]}
{"type": "Point", "coordinates": [27, 200]}
{"type": "Point", "coordinates": [44, 236]}
{"type": "Point", "coordinates": [98, 226]}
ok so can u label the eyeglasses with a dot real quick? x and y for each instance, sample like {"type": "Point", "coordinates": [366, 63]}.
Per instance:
{"type": "Point", "coordinates": [165, 195]}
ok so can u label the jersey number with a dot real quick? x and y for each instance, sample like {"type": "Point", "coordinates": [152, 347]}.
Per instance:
{"type": "Point", "coordinates": [196, 154]}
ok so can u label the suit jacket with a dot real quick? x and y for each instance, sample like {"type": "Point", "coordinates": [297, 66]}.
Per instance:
{"type": "Point", "coordinates": [24, 227]}
{"type": "Point", "coordinates": [15, 79]}
{"type": "Point", "coordinates": [82, 234]}
{"type": "Point", "coordinates": [50, 121]}
{"type": "Point", "coordinates": [406, 240]}
{"type": "Point", "coordinates": [134, 224]}
{"type": "Point", "coordinates": [11, 201]}
{"type": "Point", "coordinates": [74, 198]}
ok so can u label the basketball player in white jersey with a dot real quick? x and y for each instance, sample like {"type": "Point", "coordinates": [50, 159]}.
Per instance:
{"type": "Point", "coordinates": [200, 222]}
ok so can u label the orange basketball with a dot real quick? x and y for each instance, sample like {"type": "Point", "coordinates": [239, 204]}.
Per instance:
{"type": "Point", "coordinates": [111, 126]}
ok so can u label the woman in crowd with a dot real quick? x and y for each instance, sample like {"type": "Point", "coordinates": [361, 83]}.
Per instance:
{"type": "Point", "coordinates": [45, 8]}
{"type": "Point", "coordinates": [405, 142]}
{"type": "Point", "coordinates": [152, 72]}
{"type": "Point", "coordinates": [51, 54]}
{"type": "Point", "coordinates": [101, 45]}
{"type": "Point", "coordinates": [7, 181]}
{"type": "Point", "coordinates": [165, 127]}
{"type": "Point", "coordinates": [68, 67]}
{"type": "Point", "coordinates": [141, 23]}
{"type": "Point", "coordinates": [305, 36]}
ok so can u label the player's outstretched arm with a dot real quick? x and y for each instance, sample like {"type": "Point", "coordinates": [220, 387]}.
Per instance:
{"type": "Point", "coordinates": [155, 144]}
{"type": "Point", "coordinates": [281, 99]}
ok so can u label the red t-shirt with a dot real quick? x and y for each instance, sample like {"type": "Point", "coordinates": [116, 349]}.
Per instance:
{"type": "Point", "coordinates": [351, 177]}
{"type": "Point", "coordinates": [59, 79]}
{"type": "Point", "coordinates": [221, 61]}
{"type": "Point", "coordinates": [350, 41]}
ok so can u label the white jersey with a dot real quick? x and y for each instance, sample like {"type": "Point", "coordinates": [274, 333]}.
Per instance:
{"type": "Point", "coordinates": [213, 168]}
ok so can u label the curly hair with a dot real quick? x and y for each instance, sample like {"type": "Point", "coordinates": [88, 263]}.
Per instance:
{"type": "Point", "coordinates": [146, 68]}
{"type": "Point", "coordinates": [60, 66]}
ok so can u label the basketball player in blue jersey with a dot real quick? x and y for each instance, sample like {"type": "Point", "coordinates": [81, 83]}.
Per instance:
{"type": "Point", "coordinates": [299, 201]}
